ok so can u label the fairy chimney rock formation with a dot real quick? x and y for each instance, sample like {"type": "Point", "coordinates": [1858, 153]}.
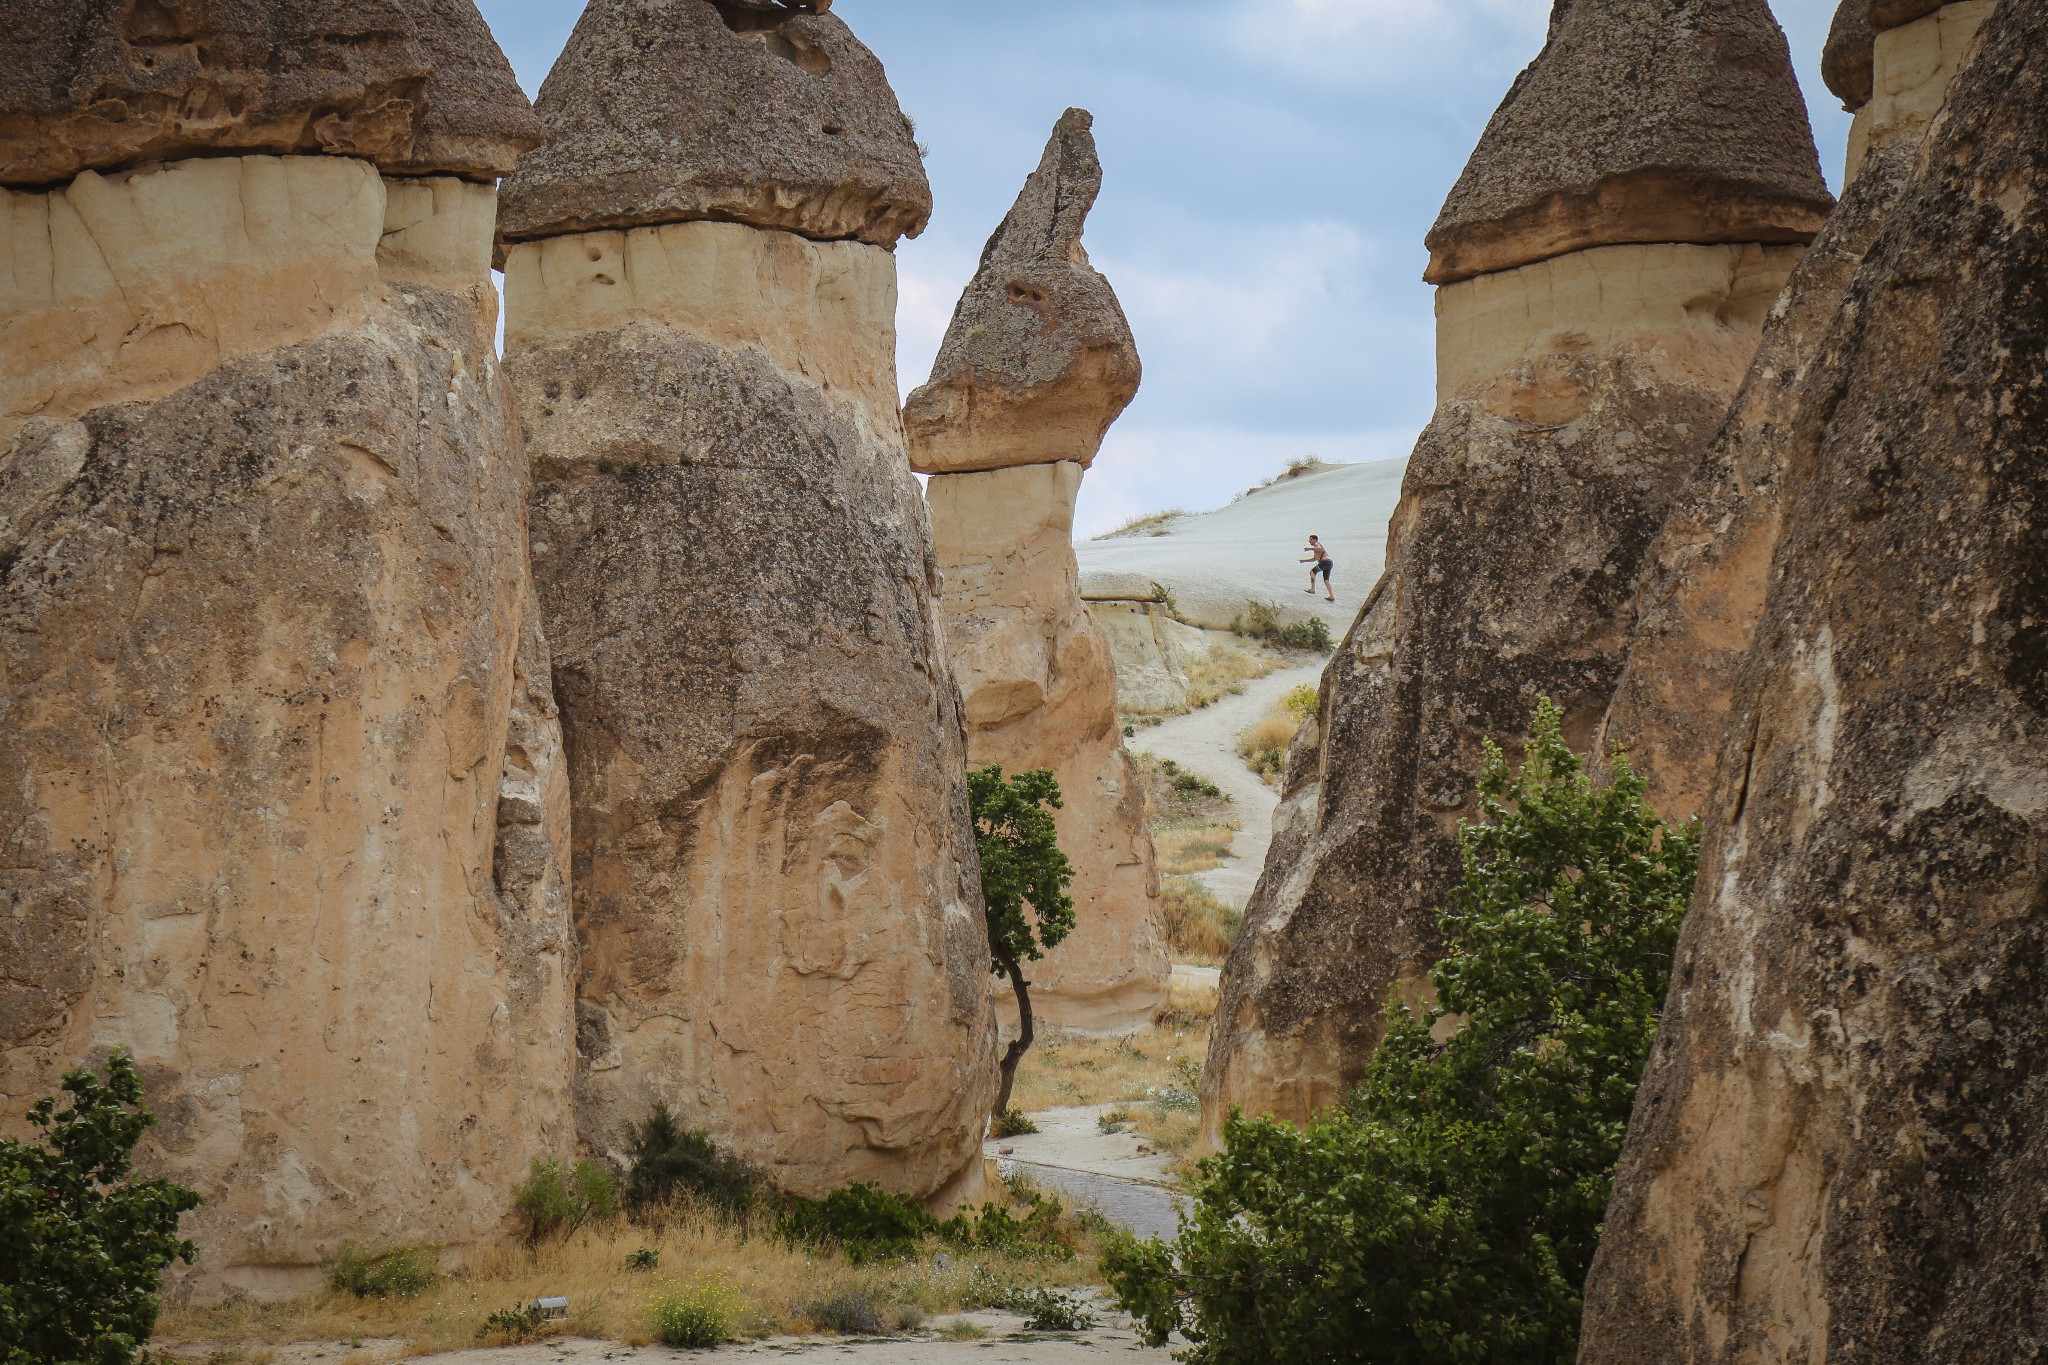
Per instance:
{"type": "Point", "coordinates": [1914, 50]}
{"type": "Point", "coordinates": [279, 755]}
{"type": "Point", "coordinates": [1035, 367]}
{"type": "Point", "coordinates": [1845, 63]}
{"type": "Point", "coordinates": [776, 899]}
{"type": "Point", "coordinates": [1836, 1152]}
{"type": "Point", "coordinates": [1606, 265]}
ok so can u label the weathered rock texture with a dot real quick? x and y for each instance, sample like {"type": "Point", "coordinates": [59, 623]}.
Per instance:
{"type": "Point", "coordinates": [278, 763]}
{"type": "Point", "coordinates": [1037, 363]}
{"type": "Point", "coordinates": [1703, 594]}
{"type": "Point", "coordinates": [416, 86]}
{"type": "Point", "coordinates": [1914, 57]}
{"type": "Point", "coordinates": [1672, 121]}
{"type": "Point", "coordinates": [1836, 1154]}
{"type": "Point", "coordinates": [1845, 63]}
{"type": "Point", "coordinates": [779, 917]}
{"type": "Point", "coordinates": [760, 114]}
{"type": "Point", "coordinates": [1038, 360]}
{"type": "Point", "coordinates": [1577, 395]}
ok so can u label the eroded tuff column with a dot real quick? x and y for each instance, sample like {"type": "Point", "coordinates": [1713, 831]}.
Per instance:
{"type": "Point", "coordinates": [277, 754]}
{"type": "Point", "coordinates": [1703, 592]}
{"type": "Point", "coordinates": [1837, 1153]}
{"type": "Point", "coordinates": [1035, 367]}
{"type": "Point", "coordinates": [776, 899]}
{"type": "Point", "coordinates": [1606, 263]}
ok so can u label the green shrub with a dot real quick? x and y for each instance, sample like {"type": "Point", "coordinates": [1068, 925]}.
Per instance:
{"type": "Point", "coordinates": [1040, 1232]}
{"type": "Point", "coordinates": [402, 1274]}
{"type": "Point", "coordinates": [864, 1220]}
{"type": "Point", "coordinates": [1047, 1310]}
{"type": "Point", "coordinates": [557, 1197]}
{"type": "Point", "coordinates": [520, 1323]}
{"type": "Point", "coordinates": [1013, 1123]}
{"type": "Point", "coordinates": [646, 1258]}
{"type": "Point", "coordinates": [694, 1318]}
{"type": "Point", "coordinates": [1303, 703]}
{"type": "Point", "coordinates": [83, 1245]}
{"type": "Point", "coordinates": [850, 1313]}
{"type": "Point", "coordinates": [1262, 621]}
{"type": "Point", "coordinates": [670, 1162]}
{"type": "Point", "coordinates": [1450, 1211]}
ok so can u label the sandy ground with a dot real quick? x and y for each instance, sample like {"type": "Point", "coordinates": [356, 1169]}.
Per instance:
{"type": "Point", "coordinates": [1213, 561]}
{"type": "Point", "coordinates": [1205, 742]}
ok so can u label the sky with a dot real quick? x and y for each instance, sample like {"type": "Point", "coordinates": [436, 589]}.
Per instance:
{"type": "Point", "coordinates": [1270, 167]}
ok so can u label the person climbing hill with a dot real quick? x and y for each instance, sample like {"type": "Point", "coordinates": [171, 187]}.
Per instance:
{"type": "Point", "coordinates": [1319, 562]}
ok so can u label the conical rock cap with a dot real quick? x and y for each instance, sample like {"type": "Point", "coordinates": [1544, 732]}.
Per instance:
{"type": "Point", "coordinates": [417, 86]}
{"type": "Point", "coordinates": [1039, 359]}
{"type": "Point", "coordinates": [1846, 63]}
{"type": "Point", "coordinates": [1640, 121]}
{"type": "Point", "coordinates": [744, 111]}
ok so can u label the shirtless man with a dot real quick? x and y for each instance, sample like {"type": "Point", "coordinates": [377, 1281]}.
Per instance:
{"type": "Point", "coordinates": [1319, 562]}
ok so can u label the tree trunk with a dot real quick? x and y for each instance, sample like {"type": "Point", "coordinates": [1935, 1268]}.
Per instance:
{"type": "Point", "coordinates": [1023, 1043]}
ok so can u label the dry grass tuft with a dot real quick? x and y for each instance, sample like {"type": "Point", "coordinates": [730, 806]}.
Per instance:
{"type": "Point", "coordinates": [767, 1282]}
{"type": "Point", "coordinates": [1069, 1069]}
{"type": "Point", "coordinates": [1192, 849]}
{"type": "Point", "coordinates": [1199, 927]}
{"type": "Point", "coordinates": [1225, 672]}
{"type": "Point", "coordinates": [1151, 524]}
{"type": "Point", "coordinates": [1263, 745]}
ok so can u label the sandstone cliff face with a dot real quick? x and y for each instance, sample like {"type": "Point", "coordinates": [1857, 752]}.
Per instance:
{"type": "Point", "coordinates": [775, 896]}
{"type": "Point", "coordinates": [1704, 592]}
{"type": "Point", "coordinates": [280, 779]}
{"type": "Point", "coordinates": [1576, 396]}
{"type": "Point", "coordinates": [1836, 1153]}
{"type": "Point", "coordinates": [1037, 363]}
{"type": "Point", "coordinates": [1915, 51]}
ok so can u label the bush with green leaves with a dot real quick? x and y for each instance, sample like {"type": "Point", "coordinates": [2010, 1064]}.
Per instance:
{"type": "Point", "coordinates": [1024, 881]}
{"type": "Point", "coordinates": [850, 1313]}
{"type": "Point", "coordinates": [703, 1315]}
{"type": "Point", "coordinates": [864, 1220]}
{"type": "Point", "coordinates": [1012, 1123]}
{"type": "Point", "coordinates": [83, 1244]}
{"type": "Point", "coordinates": [521, 1323]}
{"type": "Point", "coordinates": [670, 1162]}
{"type": "Point", "coordinates": [1266, 623]}
{"type": "Point", "coordinates": [402, 1274]}
{"type": "Point", "coordinates": [558, 1196]}
{"type": "Point", "coordinates": [1447, 1215]}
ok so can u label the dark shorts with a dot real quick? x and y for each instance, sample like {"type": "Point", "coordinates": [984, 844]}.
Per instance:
{"type": "Point", "coordinates": [1322, 567]}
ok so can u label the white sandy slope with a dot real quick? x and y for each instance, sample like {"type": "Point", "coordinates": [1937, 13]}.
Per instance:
{"type": "Point", "coordinates": [1213, 561]}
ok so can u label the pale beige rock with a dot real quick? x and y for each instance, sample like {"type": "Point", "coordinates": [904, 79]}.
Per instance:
{"type": "Point", "coordinates": [1684, 313]}
{"type": "Point", "coordinates": [1911, 68]}
{"type": "Point", "coordinates": [825, 311]}
{"type": "Point", "coordinates": [1151, 652]}
{"type": "Point", "coordinates": [780, 925]}
{"type": "Point", "coordinates": [1040, 691]}
{"type": "Point", "coordinates": [276, 754]}
{"type": "Point", "coordinates": [131, 285]}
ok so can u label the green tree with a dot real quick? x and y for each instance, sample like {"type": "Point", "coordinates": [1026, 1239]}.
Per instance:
{"type": "Point", "coordinates": [1021, 866]}
{"type": "Point", "coordinates": [83, 1245]}
{"type": "Point", "coordinates": [1448, 1214]}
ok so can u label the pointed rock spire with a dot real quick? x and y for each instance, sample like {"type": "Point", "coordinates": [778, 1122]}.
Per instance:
{"type": "Point", "coordinates": [417, 86]}
{"type": "Point", "coordinates": [1039, 359]}
{"type": "Point", "coordinates": [1640, 121]}
{"type": "Point", "coordinates": [1845, 63]}
{"type": "Point", "coordinates": [769, 114]}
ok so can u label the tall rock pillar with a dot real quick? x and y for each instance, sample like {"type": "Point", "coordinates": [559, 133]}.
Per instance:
{"type": "Point", "coordinates": [1605, 266]}
{"type": "Point", "coordinates": [1037, 363]}
{"type": "Point", "coordinates": [1836, 1154]}
{"type": "Point", "coordinates": [776, 897]}
{"type": "Point", "coordinates": [1703, 593]}
{"type": "Point", "coordinates": [277, 754]}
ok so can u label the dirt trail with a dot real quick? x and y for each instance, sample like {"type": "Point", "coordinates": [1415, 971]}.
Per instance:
{"type": "Point", "coordinates": [1205, 742]}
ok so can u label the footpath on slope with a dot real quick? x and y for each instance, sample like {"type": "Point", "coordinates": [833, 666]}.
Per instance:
{"type": "Point", "coordinates": [1204, 742]}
